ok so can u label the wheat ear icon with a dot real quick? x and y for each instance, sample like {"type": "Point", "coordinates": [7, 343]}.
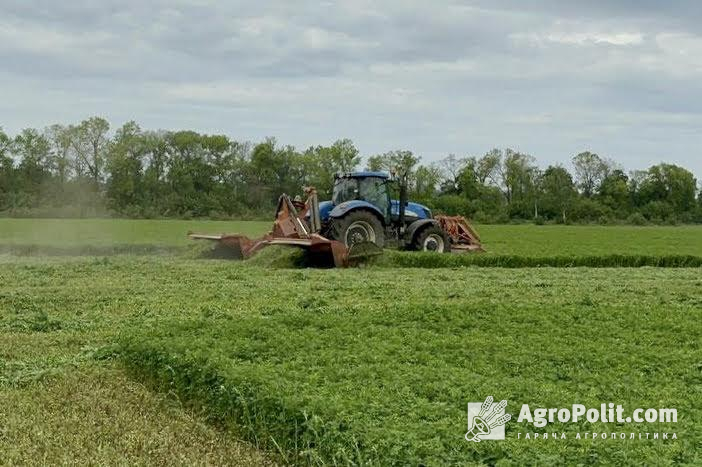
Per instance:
{"type": "Point", "coordinates": [486, 405]}
{"type": "Point", "coordinates": [485, 421]}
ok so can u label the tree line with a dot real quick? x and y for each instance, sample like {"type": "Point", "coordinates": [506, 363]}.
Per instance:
{"type": "Point", "coordinates": [85, 169]}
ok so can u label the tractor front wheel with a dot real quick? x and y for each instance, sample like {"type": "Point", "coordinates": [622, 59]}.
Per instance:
{"type": "Point", "coordinates": [432, 238]}
{"type": "Point", "coordinates": [358, 227]}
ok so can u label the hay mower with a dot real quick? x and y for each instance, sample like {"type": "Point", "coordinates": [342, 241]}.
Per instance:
{"type": "Point", "coordinates": [359, 221]}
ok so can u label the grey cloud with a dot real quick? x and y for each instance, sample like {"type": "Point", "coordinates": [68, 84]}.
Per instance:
{"type": "Point", "coordinates": [548, 77]}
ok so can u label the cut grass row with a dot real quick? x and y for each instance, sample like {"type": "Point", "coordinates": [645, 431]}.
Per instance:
{"type": "Point", "coordinates": [292, 257]}
{"type": "Point", "coordinates": [101, 236]}
{"type": "Point", "coordinates": [429, 260]}
{"type": "Point", "coordinates": [286, 257]}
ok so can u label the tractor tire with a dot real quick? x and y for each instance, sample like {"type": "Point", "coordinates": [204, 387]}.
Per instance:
{"type": "Point", "coordinates": [357, 227]}
{"type": "Point", "coordinates": [432, 238]}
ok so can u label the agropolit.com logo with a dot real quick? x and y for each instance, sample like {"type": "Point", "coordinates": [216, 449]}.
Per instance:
{"type": "Point", "coordinates": [486, 420]}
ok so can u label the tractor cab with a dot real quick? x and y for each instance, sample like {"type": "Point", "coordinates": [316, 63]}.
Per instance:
{"type": "Point", "coordinates": [371, 187]}
{"type": "Point", "coordinates": [375, 191]}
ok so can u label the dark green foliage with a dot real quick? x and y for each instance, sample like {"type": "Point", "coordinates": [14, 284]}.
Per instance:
{"type": "Point", "coordinates": [80, 171]}
{"type": "Point", "coordinates": [84, 170]}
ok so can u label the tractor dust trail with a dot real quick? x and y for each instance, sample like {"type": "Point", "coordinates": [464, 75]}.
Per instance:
{"type": "Point", "coordinates": [68, 237]}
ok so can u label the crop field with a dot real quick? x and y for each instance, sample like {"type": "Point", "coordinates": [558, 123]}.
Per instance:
{"type": "Point", "coordinates": [171, 359]}
{"type": "Point", "coordinates": [119, 342]}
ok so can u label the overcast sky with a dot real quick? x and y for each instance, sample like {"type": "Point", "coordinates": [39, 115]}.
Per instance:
{"type": "Point", "coordinates": [546, 77]}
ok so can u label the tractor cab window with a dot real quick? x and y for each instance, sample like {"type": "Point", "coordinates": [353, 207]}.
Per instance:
{"type": "Point", "coordinates": [371, 189]}
{"type": "Point", "coordinates": [345, 189]}
{"type": "Point", "coordinates": [375, 191]}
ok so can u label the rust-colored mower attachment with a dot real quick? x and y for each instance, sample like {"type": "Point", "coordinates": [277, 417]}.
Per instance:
{"type": "Point", "coordinates": [290, 228]}
{"type": "Point", "coordinates": [464, 238]}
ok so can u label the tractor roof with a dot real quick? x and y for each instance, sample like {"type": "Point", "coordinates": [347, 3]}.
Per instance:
{"type": "Point", "coordinates": [364, 174]}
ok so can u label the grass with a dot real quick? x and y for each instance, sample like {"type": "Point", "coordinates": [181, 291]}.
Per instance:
{"type": "Point", "coordinates": [99, 416]}
{"type": "Point", "coordinates": [338, 366]}
{"type": "Point", "coordinates": [114, 236]}
{"type": "Point", "coordinates": [580, 240]}
{"type": "Point", "coordinates": [63, 399]}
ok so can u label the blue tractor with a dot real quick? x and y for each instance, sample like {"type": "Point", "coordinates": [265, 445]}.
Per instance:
{"type": "Point", "coordinates": [362, 210]}
{"type": "Point", "coordinates": [359, 221]}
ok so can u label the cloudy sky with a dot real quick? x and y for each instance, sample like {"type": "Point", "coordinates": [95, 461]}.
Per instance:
{"type": "Point", "coordinates": [547, 77]}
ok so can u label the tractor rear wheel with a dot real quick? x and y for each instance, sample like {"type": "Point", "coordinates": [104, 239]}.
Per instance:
{"type": "Point", "coordinates": [358, 227]}
{"type": "Point", "coordinates": [432, 238]}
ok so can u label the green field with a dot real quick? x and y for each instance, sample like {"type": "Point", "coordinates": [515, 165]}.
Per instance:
{"type": "Point", "coordinates": [170, 359]}
{"type": "Point", "coordinates": [523, 240]}
{"type": "Point", "coordinates": [346, 366]}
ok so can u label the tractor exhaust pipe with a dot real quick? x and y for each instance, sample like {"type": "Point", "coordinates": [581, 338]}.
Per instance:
{"type": "Point", "coordinates": [403, 203]}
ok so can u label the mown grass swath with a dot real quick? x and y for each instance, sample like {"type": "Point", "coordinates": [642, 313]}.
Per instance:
{"type": "Point", "coordinates": [429, 260]}
{"type": "Point", "coordinates": [375, 367]}
{"type": "Point", "coordinates": [507, 246]}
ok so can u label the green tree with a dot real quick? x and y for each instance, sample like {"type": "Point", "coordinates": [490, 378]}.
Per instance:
{"type": "Point", "coordinates": [614, 192]}
{"type": "Point", "coordinates": [7, 173]}
{"type": "Point", "coordinates": [558, 193]}
{"type": "Point", "coordinates": [401, 165]}
{"type": "Point", "coordinates": [90, 141]}
{"type": "Point", "coordinates": [487, 168]}
{"type": "Point", "coordinates": [124, 167]}
{"type": "Point", "coordinates": [344, 155]}
{"type": "Point", "coordinates": [518, 174]}
{"type": "Point", "coordinates": [156, 186]}
{"type": "Point", "coordinates": [191, 178]}
{"type": "Point", "coordinates": [670, 184]}
{"type": "Point", "coordinates": [5, 143]}
{"type": "Point", "coordinates": [275, 170]}
{"type": "Point", "coordinates": [323, 162]}
{"type": "Point", "coordinates": [32, 150]}
{"type": "Point", "coordinates": [60, 140]}
{"type": "Point", "coordinates": [426, 179]}
{"type": "Point", "coordinates": [452, 169]}
{"type": "Point", "coordinates": [398, 163]}
{"type": "Point", "coordinates": [590, 170]}
{"type": "Point", "coordinates": [468, 181]}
